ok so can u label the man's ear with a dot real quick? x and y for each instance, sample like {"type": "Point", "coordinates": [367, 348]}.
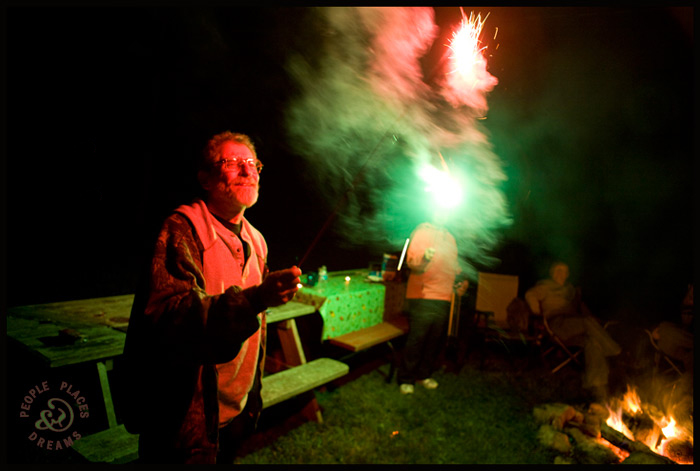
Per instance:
{"type": "Point", "coordinates": [203, 178]}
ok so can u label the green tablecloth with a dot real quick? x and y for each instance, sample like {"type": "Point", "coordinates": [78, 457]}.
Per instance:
{"type": "Point", "coordinates": [345, 306]}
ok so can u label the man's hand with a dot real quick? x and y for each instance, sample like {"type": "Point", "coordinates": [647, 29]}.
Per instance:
{"type": "Point", "coordinates": [429, 252]}
{"type": "Point", "coordinates": [279, 287]}
{"type": "Point", "coordinates": [461, 287]}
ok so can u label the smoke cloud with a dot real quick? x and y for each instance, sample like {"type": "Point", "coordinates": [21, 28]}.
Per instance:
{"type": "Point", "coordinates": [366, 117]}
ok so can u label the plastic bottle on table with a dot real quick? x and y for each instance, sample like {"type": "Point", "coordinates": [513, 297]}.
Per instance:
{"type": "Point", "coordinates": [322, 274]}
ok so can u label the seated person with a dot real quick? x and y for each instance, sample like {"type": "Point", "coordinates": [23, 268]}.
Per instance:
{"type": "Point", "coordinates": [569, 319]}
{"type": "Point", "coordinates": [676, 340]}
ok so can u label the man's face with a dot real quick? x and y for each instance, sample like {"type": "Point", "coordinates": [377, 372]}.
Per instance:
{"type": "Point", "coordinates": [560, 273]}
{"type": "Point", "coordinates": [234, 184]}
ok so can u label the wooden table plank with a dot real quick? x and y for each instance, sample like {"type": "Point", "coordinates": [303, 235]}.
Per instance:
{"type": "Point", "coordinates": [368, 337]}
{"type": "Point", "coordinates": [288, 311]}
{"type": "Point", "coordinates": [113, 446]}
{"type": "Point", "coordinates": [286, 384]}
{"type": "Point", "coordinates": [112, 311]}
{"type": "Point", "coordinates": [45, 342]}
{"type": "Point", "coordinates": [94, 324]}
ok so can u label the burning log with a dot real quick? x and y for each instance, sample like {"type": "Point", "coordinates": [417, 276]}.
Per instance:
{"type": "Point", "coordinates": [635, 448]}
{"type": "Point", "coordinates": [586, 437]}
{"type": "Point", "coordinates": [680, 451]}
{"type": "Point", "coordinates": [641, 425]}
{"type": "Point", "coordinates": [639, 457]}
{"type": "Point", "coordinates": [589, 451]}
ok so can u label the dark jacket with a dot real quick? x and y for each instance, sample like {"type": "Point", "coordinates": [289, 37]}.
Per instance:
{"type": "Point", "coordinates": [179, 331]}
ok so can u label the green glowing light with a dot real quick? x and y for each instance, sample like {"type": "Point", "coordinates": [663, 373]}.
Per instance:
{"type": "Point", "coordinates": [446, 191]}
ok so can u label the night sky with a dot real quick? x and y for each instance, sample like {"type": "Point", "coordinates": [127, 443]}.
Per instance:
{"type": "Point", "coordinates": [592, 119]}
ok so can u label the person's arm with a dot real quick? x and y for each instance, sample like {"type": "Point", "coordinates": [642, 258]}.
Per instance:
{"type": "Point", "coordinates": [419, 253]}
{"type": "Point", "coordinates": [188, 322]}
{"type": "Point", "coordinates": [533, 297]}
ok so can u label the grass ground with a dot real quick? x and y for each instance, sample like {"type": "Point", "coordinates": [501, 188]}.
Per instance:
{"type": "Point", "coordinates": [480, 414]}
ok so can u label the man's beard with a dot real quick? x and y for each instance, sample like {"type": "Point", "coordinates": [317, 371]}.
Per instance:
{"type": "Point", "coordinates": [242, 195]}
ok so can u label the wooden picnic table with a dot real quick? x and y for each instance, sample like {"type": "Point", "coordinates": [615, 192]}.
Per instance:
{"type": "Point", "coordinates": [93, 331]}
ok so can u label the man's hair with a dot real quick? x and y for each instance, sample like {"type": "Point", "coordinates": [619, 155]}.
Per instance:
{"type": "Point", "coordinates": [212, 151]}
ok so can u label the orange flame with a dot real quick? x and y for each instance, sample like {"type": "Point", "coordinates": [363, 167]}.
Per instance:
{"type": "Point", "coordinates": [615, 421]}
{"type": "Point", "coordinates": [632, 400]}
{"type": "Point", "coordinates": [667, 426]}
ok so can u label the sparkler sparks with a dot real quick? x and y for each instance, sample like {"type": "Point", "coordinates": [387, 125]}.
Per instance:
{"type": "Point", "coordinates": [469, 79]}
{"type": "Point", "coordinates": [466, 46]}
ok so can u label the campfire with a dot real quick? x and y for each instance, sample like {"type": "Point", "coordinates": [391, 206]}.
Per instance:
{"type": "Point", "coordinates": [659, 431]}
{"type": "Point", "coordinates": [625, 430]}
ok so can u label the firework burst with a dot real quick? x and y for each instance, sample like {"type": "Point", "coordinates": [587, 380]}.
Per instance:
{"type": "Point", "coordinates": [468, 80]}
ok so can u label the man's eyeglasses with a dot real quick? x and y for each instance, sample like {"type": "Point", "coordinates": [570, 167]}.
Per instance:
{"type": "Point", "coordinates": [236, 163]}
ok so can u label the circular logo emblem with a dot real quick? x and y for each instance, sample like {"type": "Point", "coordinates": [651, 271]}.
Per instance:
{"type": "Point", "coordinates": [57, 418]}
{"type": "Point", "coordinates": [51, 413]}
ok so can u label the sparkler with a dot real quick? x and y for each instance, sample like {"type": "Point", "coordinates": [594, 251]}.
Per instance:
{"type": "Point", "coordinates": [403, 254]}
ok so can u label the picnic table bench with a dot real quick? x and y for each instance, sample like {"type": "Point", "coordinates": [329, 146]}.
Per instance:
{"type": "Point", "coordinates": [382, 333]}
{"type": "Point", "coordinates": [115, 445]}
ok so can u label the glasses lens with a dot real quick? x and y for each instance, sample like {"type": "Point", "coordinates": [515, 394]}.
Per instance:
{"type": "Point", "coordinates": [234, 163]}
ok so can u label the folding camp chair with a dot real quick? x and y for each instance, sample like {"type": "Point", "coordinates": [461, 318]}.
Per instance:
{"type": "Point", "coordinates": [553, 345]}
{"type": "Point", "coordinates": [495, 293]}
{"type": "Point", "coordinates": [571, 354]}
{"type": "Point", "coordinates": [661, 359]}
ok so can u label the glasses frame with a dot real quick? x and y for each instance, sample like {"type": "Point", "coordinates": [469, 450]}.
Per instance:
{"type": "Point", "coordinates": [237, 162]}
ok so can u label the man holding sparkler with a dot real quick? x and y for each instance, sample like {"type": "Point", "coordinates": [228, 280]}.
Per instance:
{"type": "Point", "coordinates": [195, 346]}
{"type": "Point", "coordinates": [433, 259]}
